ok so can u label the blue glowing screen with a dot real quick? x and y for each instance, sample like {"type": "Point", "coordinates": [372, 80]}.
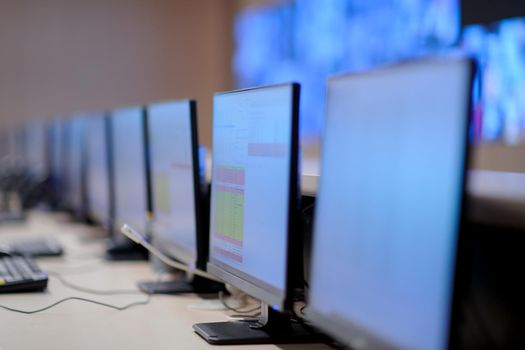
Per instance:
{"type": "Point", "coordinates": [306, 42]}
{"type": "Point", "coordinates": [499, 98]}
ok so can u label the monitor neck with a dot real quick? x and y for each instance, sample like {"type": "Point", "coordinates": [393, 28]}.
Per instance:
{"type": "Point", "coordinates": [272, 321]}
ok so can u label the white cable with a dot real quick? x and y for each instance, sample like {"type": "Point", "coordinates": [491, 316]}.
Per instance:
{"type": "Point", "coordinates": [138, 238]}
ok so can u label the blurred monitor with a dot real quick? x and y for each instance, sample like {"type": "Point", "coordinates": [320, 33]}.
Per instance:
{"type": "Point", "coordinates": [36, 150]}
{"type": "Point", "coordinates": [5, 149]}
{"type": "Point", "coordinates": [98, 191]}
{"type": "Point", "coordinates": [56, 132]}
{"type": "Point", "coordinates": [310, 40]}
{"type": "Point", "coordinates": [253, 198]}
{"type": "Point", "coordinates": [180, 209]}
{"type": "Point", "coordinates": [499, 101]}
{"type": "Point", "coordinates": [390, 205]}
{"type": "Point", "coordinates": [128, 146]}
{"type": "Point", "coordinates": [176, 191]}
{"type": "Point", "coordinates": [19, 151]}
{"type": "Point", "coordinates": [75, 165]}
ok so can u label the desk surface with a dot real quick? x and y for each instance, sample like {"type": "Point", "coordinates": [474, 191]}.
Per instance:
{"type": "Point", "coordinates": [165, 323]}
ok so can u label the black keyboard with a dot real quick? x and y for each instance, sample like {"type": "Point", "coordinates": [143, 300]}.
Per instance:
{"type": "Point", "coordinates": [21, 274]}
{"type": "Point", "coordinates": [40, 247]}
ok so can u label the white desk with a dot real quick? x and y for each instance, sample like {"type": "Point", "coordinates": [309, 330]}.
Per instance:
{"type": "Point", "coordinates": [165, 323]}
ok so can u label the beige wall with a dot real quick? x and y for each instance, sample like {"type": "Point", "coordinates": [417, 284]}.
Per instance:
{"type": "Point", "coordinates": [61, 56]}
{"type": "Point", "coordinates": [494, 156]}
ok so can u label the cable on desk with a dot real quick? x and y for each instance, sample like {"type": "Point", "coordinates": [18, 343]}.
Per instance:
{"type": "Point", "coordinates": [93, 291]}
{"type": "Point", "coordinates": [118, 308]}
{"type": "Point", "coordinates": [238, 310]}
{"type": "Point", "coordinates": [86, 268]}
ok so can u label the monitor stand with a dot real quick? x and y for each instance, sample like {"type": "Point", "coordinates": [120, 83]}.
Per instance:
{"type": "Point", "coordinates": [271, 327]}
{"type": "Point", "coordinates": [197, 284]}
{"type": "Point", "coordinates": [117, 250]}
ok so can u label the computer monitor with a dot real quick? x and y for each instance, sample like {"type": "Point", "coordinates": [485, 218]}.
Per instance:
{"type": "Point", "coordinates": [98, 192]}
{"type": "Point", "coordinates": [254, 244]}
{"type": "Point", "coordinates": [128, 145]}
{"type": "Point", "coordinates": [56, 151]}
{"type": "Point", "coordinates": [6, 149]}
{"type": "Point", "coordinates": [56, 160]}
{"type": "Point", "coordinates": [179, 226]}
{"type": "Point", "coordinates": [74, 157]}
{"type": "Point", "coordinates": [19, 149]}
{"type": "Point", "coordinates": [35, 148]}
{"type": "Point", "coordinates": [389, 206]}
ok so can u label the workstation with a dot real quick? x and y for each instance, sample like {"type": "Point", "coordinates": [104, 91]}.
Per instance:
{"type": "Point", "coordinates": [375, 204]}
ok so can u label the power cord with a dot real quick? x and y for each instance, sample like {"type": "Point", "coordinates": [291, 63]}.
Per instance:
{"type": "Point", "coordinates": [93, 291]}
{"type": "Point", "coordinates": [85, 290]}
{"type": "Point", "coordinates": [136, 237]}
{"type": "Point", "coordinates": [118, 308]}
{"type": "Point", "coordinates": [238, 310]}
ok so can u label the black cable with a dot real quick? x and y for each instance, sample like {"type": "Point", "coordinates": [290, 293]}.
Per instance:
{"type": "Point", "coordinates": [94, 291]}
{"type": "Point", "coordinates": [118, 308]}
{"type": "Point", "coordinates": [240, 311]}
{"type": "Point", "coordinates": [308, 207]}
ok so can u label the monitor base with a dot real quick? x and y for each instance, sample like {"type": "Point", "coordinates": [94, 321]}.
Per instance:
{"type": "Point", "coordinates": [271, 328]}
{"type": "Point", "coordinates": [198, 285]}
{"type": "Point", "coordinates": [125, 251]}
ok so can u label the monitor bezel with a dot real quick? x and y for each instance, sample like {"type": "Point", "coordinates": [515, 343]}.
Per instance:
{"type": "Point", "coordinates": [348, 331]}
{"type": "Point", "coordinates": [270, 295]}
{"type": "Point", "coordinates": [201, 242]}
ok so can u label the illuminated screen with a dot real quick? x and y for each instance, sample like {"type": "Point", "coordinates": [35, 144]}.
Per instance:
{"type": "Point", "coordinates": [74, 167]}
{"type": "Point", "coordinates": [56, 151]}
{"type": "Point", "coordinates": [97, 190]}
{"type": "Point", "coordinates": [389, 205]}
{"type": "Point", "coordinates": [174, 224]}
{"type": "Point", "coordinates": [499, 109]}
{"type": "Point", "coordinates": [129, 168]}
{"type": "Point", "coordinates": [250, 184]}
{"type": "Point", "coordinates": [36, 150]}
{"type": "Point", "coordinates": [309, 40]}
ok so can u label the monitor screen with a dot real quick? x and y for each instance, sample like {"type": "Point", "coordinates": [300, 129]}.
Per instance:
{"type": "Point", "coordinates": [389, 205]}
{"type": "Point", "coordinates": [19, 149]}
{"type": "Point", "coordinates": [499, 102]}
{"type": "Point", "coordinates": [56, 152]}
{"type": "Point", "coordinates": [74, 163]}
{"type": "Point", "coordinates": [253, 156]}
{"type": "Point", "coordinates": [6, 150]}
{"type": "Point", "coordinates": [97, 170]}
{"type": "Point", "coordinates": [129, 168]}
{"type": "Point", "coordinates": [36, 155]}
{"type": "Point", "coordinates": [310, 40]}
{"type": "Point", "coordinates": [173, 180]}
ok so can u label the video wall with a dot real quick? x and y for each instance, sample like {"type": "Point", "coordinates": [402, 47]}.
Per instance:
{"type": "Point", "coordinates": [499, 98]}
{"type": "Point", "coordinates": [303, 41]}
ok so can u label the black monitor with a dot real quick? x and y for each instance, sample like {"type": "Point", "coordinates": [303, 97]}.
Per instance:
{"type": "Point", "coordinates": [254, 242]}
{"type": "Point", "coordinates": [35, 149]}
{"type": "Point", "coordinates": [390, 205]}
{"type": "Point", "coordinates": [74, 157]}
{"type": "Point", "coordinates": [98, 190]}
{"type": "Point", "coordinates": [179, 226]}
{"type": "Point", "coordinates": [130, 182]}
{"type": "Point", "coordinates": [56, 146]}
{"type": "Point", "coordinates": [19, 149]}
{"type": "Point", "coordinates": [4, 144]}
